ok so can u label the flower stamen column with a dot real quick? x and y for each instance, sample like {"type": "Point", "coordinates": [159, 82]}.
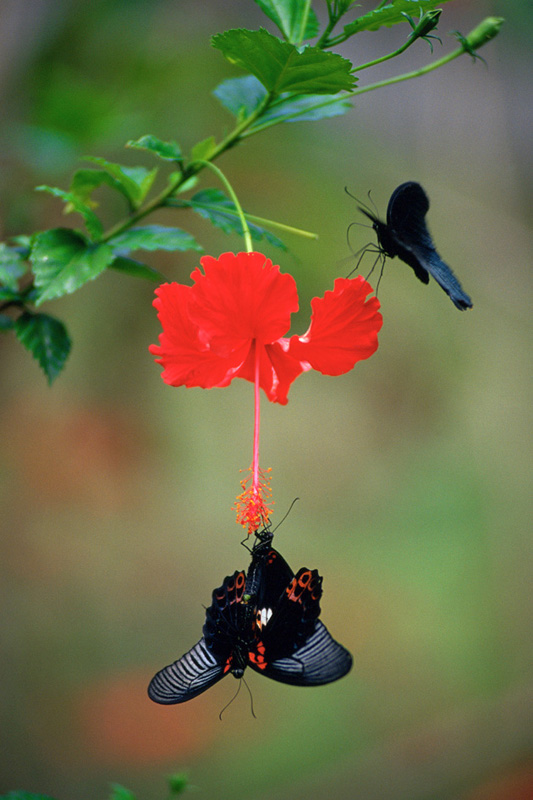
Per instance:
{"type": "Point", "coordinates": [253, 506]}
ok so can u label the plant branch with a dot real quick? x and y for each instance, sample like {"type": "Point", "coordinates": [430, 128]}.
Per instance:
{"type": "Point", "coordinates": [192, 169]}
{"type": "Point", "coordinates": [408, 75]}
{"type": "Point", "coordinates": [379, 85]}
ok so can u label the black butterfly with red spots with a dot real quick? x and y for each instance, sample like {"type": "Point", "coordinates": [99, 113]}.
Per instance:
{"type": "Point", "coordinates": [266, 619]}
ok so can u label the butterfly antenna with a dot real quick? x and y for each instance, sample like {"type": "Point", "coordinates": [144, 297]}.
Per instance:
{"type": "Point", "coordinates": [231, 701]}
{"type": "Point", "coordinates": [286, 514]}
{"type": "Point", "coordinates": [360, 203]}
{"type": "Point", "coordinates": [361, 225]}
{"type": "Point", "coordinates": [374, 206]}
{"type": "Point", "coordinates": [243, 679]}
{"type": "Point", "coordinates": [348, 192]}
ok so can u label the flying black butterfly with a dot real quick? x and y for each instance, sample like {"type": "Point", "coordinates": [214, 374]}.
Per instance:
{"type": "Point", "coordinates": [266, 619]}
{"type": "Point", "coordinates": [405, 235]}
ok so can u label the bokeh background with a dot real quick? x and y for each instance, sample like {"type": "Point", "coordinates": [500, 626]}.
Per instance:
{"type": "Point", "coordinates": [412, 471]}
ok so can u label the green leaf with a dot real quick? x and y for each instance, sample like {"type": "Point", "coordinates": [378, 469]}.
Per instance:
{"type": "Point", "coordinates": [119, 792]}
{"type": "Point", "coordinates": [281, 67]}
{"type": "Point", "coordinates": [203, 150]}
{"type": "Point", "coordinates": [85, 181]}
{"type": "Point", "coordinates": [6, 323]}
{"type": "Point", "coordinates": [137, 270]}
{"type": "Point", "coordinates": [213, 205]}
{"type": "Point", "coordinates": [12, 266]}
{"type": "Point", "coordinates": [169, 151]}
{"type": "Point", "coordinates": [155, 237]}
{"type": "Point", "coordinates": [47, 340]}
{"type": "Point", "coordinates": [134, 182]}
{"type": "Point", "coordinates": [23, 244]}
{"type": "Point", "coordinates": [288, 16]}
{"type": "Point", "coordinates": [241, 96]}
{"type": "Point", "coordinates": [304, 108]}
{"type": "Point", "coordinates": [63, 261]}
{"type": "Point", "coordinates": [94, 226]}
{"type": "Point", "coordinates": [390, 14]}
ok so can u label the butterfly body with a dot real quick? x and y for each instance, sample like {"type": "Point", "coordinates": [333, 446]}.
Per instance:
{"type": "Point", "coordinates": [265, 619]}
{"type": "Point", "coordinates": [406, 236]}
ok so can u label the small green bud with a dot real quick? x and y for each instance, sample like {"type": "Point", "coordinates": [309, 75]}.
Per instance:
{"type": "Point", "coordinates": [484, 32]}
{"type": "Point", "coordinates": [422, 29]}
{"type": "Point", "coordinates": [427, 22]}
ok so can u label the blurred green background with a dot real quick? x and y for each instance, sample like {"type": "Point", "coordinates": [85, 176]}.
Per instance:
{"type": "Point", "coordinates": [412, 471]}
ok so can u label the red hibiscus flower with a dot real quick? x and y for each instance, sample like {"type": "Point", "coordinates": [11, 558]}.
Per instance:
{"type": "Point", "coordinates": [231, 324]}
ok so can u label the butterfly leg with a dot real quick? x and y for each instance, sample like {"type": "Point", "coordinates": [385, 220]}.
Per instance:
{"type": "Point", "coordinates": [367, 248]}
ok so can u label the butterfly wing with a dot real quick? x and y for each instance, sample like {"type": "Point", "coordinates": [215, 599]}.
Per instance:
{"type": "Point", "coordinates": [292, 645]}
{"type": "Point", "coordinates": [408, 205]}
{"type": "Point", "coordinates": [268, 577]}
{"type": "Point", "coordinates": [223, 618]}
{"type": "Point", "coordinates": [320, 660]}
{"type": "Point", "coordinates": [444, 276]}
{"type": "Point", "coordinates": [293, 617]}
{"type": "Point", "coordinates": [213, 656]}
{"type": "Point", "coordinates": [406, 213]}
{"type": "Point", "coordinates": [187, 677]}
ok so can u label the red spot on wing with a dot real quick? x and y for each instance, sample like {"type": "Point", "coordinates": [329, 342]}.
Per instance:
{"type": "Point", "coordinates": [308, 582]}
{"type": "Point", "coordinates": [228, 664]}
{"type": "Point", "coordinates": [257, 656]}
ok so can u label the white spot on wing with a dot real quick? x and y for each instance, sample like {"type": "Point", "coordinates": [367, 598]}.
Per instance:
{"type": "Point", "coordinates": [265, 615]}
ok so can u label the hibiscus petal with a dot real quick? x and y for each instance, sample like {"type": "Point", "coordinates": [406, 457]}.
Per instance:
{"type": "Point", "coordinates": [344, 328]}
{"type": "Point", "coordinates": [185, 359]}
{"type": "Point", "coordinates": [277, 370]}
{"type": "Point", "coordinates": [241, 297]}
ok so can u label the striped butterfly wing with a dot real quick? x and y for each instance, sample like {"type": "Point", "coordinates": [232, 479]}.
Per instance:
{"type": "Point", "coordinates": [292, 646]}
{"type": "Point", "coordinates": [213, 656]}
{"type": "Point", "coordinates": [320, 660]}
{"type": "Point", "coordinates": [187, 677]}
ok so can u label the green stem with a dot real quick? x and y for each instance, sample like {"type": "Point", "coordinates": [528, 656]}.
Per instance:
{"type": "Point", "coordinates": [397, 52]}
{"type": "Point", "coordinates": [322, 42]}
{"type": "Point", "coordinates": [192, 169]}
{"type": "Point", "coordinates": [414, 74]}
{"type": "Point", "coordinates": [282, 227]}
{"type": "Point", "coordinates": [348, 95]}
{"type": "Point", "coordinates": [240, 212]}
{"type": "Point", "coordinates": [233, 137]}
{"type": "Point", "coordinates": [153, 205]}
